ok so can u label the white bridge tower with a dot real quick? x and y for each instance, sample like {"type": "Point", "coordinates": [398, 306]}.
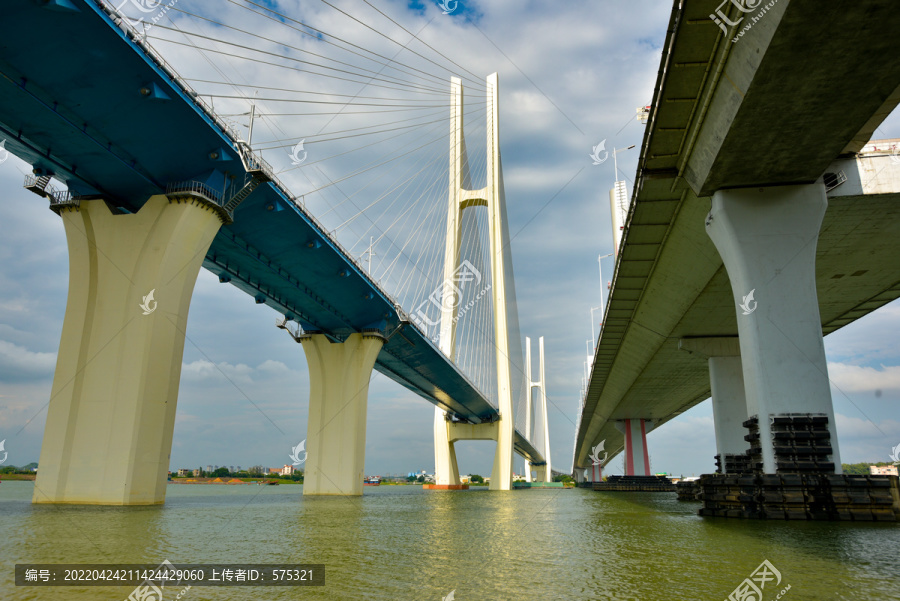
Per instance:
{"type": "Point", "coordinates": [446, 433]}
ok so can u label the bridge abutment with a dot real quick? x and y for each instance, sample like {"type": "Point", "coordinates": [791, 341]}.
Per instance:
{"type": "Point", "coordinates": [339, 376]}
{"type": "Point", "coordinates": [111, 414]}
{"type": "Point", "coordinates": [767, 240]}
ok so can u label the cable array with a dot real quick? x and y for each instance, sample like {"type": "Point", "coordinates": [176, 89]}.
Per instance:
{"type": "Point", "coordinates": [359, 131]}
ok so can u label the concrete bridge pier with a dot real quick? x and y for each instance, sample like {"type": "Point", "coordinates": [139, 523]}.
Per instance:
{"type": "Point", "coordinates": [112, 408]}
{"type": "Point", "coordinates": [726, 378]}
{"type": "Point", "coordinates": [446, 471]}
{"type": "Point", "coordinates": [637, 457]}
{"type": "Point", "coordinates": [767, 239]}
{"type": "Point", "coordinates": [339, 376]}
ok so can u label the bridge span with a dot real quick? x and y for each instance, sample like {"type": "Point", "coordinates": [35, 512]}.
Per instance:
{"type": "Point", "coordinates": [760, 220]}
{"type": "Point", "coordinates": [158, 186]}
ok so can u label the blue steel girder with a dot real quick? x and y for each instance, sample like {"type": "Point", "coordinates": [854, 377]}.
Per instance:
{"type": "Point", "coordinates": [87, 102]}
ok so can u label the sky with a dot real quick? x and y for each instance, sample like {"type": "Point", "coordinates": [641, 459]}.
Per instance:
{"type": "Point", "coordinates": [571, 76]}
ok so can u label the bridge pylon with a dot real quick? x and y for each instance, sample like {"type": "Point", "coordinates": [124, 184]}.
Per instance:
{"type": "Point", "coordinates": [446, 432]}
{"type": "Point", "coordinates": [544, 472]}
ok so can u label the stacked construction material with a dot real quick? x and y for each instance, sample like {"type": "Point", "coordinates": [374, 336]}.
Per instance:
{"type": "Point", "coordinates": [802, 444]}
{"type": "Point", "coordinates": [636, 484]}
{"type": "Point", "coordinates": [801, 497]}
{"type": "Point", "coordinates": [734, 463]}
{"type": "Point", "coordinates": [804, 486]}
{"type": "Point", "coordinates": [862, 498]}
{"type": "Point", "coordinates": [754, 455]}
{"type": "Point", "coordinates": [729, 496]}
{"type": "Point", "coordinates": [688, 490]}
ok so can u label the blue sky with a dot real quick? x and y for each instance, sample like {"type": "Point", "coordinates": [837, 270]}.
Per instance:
{"type": "Point", "coordinates": [572, 75]}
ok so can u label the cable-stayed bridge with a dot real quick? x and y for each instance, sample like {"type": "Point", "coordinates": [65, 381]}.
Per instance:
{"type": "Point", "coordinates": [161, 179]}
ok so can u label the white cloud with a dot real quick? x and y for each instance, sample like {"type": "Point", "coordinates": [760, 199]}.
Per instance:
{"type": "Point", "coordinates": [18, 363]}
{"type": "Point", "coordinates": [856, 378]}
{"type": "Point", "coordinates": [272, 367]}
{"type": "Point", "coordinates": [200, 370]}
{"type": "Point", "coordinates": [850, 428]}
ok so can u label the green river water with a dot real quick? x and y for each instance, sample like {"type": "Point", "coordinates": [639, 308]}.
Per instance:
{"type": "Point", "coordinates": [400, 542]}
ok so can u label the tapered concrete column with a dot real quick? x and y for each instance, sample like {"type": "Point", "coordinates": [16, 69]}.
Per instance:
{"type": "Point", "coordinates": [637, 457]}
{"type": "Point", "coordinates": [446, 471]}
{"type": "Point", "coordinates": [338, 393]}
{"type": "Point", "coordinates": [726, 379]}
{"type": "Point", "coordinates": [596, 472]}
{"type": "Point", "coordinates": [112, 408]}
{"type": "Point", "coordinates": [767, 239]}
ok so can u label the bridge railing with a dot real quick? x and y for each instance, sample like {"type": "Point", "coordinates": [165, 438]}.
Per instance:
{"type": "Point", "coordinates": [58, 198]}
{"type": "Point", "coordinates": [195, 187]}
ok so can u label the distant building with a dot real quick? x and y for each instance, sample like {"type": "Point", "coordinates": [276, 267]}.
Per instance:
{"type": "Point", "coordinates": [196, 472]}
{"type": "Point", "coordinates": [883, 470]}
{"type": "Point", "coordinates": [184, 472]}
{"type": "Point", "coordinates": [287, 470]}
{"type": "Point", "coordinates": [209, 468]}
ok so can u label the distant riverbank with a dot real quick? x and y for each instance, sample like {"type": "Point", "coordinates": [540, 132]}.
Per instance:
{"type": "Point", "coordinates": [231, 481]}
{"type": "Point", "coordinates": [17, 477]}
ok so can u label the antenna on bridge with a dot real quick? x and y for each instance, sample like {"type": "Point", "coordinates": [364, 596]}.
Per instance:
{"type": "Point", "coordinates": [369, 253]}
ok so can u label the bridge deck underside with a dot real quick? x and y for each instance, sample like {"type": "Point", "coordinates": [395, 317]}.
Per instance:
{"type": "Point", "coordinates": [639, 370]}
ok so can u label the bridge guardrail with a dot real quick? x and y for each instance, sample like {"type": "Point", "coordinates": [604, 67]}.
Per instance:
{"type": "Point", "coordinates": [195, 187]}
